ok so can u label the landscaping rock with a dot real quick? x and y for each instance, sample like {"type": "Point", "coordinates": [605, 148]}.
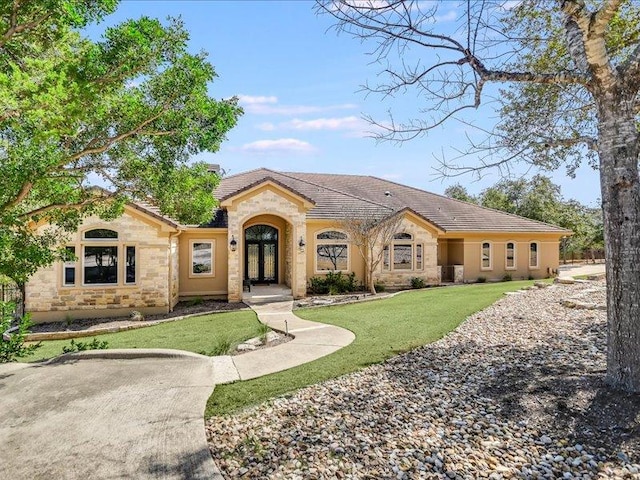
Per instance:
{"type": "Point", "coordinates": [516, 391]}
{"type": "Point", "coordinates": [565, 280]}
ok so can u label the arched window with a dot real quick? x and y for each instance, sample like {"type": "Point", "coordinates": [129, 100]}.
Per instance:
{"type": "Point", "coordinates": [404, 253]}
{"type": "Point", "coordinates": [510, 256]}
{"type": "Point", "coordinates": [485, 255]}
{"type": "Point", "coordinates": [534, 248]}
{"type": "Point", "coordinates": [332, 251]}
{"type": "Point", "coordinates": [100, 234]}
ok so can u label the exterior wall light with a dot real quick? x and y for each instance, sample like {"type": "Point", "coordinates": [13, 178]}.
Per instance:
{"type": "Point", "coordinates": [233, 244]}
{"type": "Point", "coordinates": [301, 243]}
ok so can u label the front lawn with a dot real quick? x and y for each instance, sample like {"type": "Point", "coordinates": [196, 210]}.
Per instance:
{"type": "Point", "coordinates": [383, 328]}
{"type": "Point", "coordinates": [203, 334]}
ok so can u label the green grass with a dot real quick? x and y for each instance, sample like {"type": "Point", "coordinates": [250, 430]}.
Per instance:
{"type": "Point", "coordinates": [203, 334]}
{"type": "Point", "coordinates": [383, 328]}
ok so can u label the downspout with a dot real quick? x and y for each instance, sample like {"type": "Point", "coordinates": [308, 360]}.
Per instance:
{"type": "Point", "coordinates": [170, 282]}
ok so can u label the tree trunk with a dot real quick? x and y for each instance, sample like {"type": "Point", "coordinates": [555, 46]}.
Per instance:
{"type": "Point", "coordinates": [619, 147]}
{"type": "Point", "coordinates": [372, 286]}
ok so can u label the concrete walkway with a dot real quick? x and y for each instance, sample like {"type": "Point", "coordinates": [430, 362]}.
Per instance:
{"type": "Point", "coordinates": [313, 340]}
{"type": "Point", "coordinates": [81, 417]}
{"type": "Point", "coordinates": [581, 269]}
{"type": "Point", "coordinates": [112, 414]}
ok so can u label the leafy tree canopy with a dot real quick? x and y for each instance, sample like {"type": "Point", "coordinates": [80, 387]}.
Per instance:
{"type": "Point", "coordinates": [127, 111]}
{"type": "Point", "coordinates": [540, 199]}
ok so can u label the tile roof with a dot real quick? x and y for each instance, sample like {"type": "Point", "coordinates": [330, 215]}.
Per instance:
{"type": "Point", "coordinates": [340, 196]}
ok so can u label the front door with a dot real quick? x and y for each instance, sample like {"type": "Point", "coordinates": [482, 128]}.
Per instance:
{"type": "Point", "coordinates": [261, 254]}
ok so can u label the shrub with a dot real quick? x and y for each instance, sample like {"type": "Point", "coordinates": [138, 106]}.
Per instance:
{"type": "Point", "coordinates": [507, 278]}
{"type": "Point", "coordinates": [380, 287]}
{"type": "Point", "coordinates": [333, 283]}
{"type": "Point", "coordinates": [481, 279]}
{"type": "Point", "coordinates": [14, 348]}
{"type": "Point", "coordinates": [94, 344]}
{"type": "Point", "coordinates": [531, 277]}
{"type": "Point", "coordinates": [195, 301]}
{"type": "Point", "coordinates": [417, 282]}
{"type": "Point", "coordinates": [221, 347]}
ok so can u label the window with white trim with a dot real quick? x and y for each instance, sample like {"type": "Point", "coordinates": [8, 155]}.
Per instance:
{"type": "Point", "coordinates": [403, 254]}
{"type": "Point", "coordinates": [101, 259]}
{"type": "Point", "coordinates": [485, 256]}
{"type": "Point", "coordinates": [69, 268]}
{"type": "Point", "coordinates": [534, 248]}
{"type": "Point", "coordinates": [202, 257]}
{"type": "Point", "coordinates": [510, 256]}
{"type": "Point", "coordinates": [332, 251]}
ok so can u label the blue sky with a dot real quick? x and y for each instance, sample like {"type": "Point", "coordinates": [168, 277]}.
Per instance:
{"type": "Point", "coordinates": [300, 85]}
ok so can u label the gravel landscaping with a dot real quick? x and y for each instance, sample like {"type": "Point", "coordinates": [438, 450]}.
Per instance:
{"type": "Point", "coordinates": [515, 392]}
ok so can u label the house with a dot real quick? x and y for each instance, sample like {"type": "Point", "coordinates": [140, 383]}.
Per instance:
{"type": "Point", "coordinates": [282, 227]}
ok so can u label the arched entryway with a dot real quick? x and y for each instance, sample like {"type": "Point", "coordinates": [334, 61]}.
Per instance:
{"type": "Point", "coordinates": [261, 254]}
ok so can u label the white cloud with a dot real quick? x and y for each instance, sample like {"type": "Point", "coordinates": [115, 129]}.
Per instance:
{"type": "Point", "coordinates": [268, 105]}
{"type": "Point", "coordinates": [248, 100]}
{"type": "Point", "coordinates": [339, 123]}
{"type": "Point", "coordinates": [450, 16]}
{"type": "Point", "coordinates": [266, 127]}
{"type": "Point", "coordinates": [281, 145]}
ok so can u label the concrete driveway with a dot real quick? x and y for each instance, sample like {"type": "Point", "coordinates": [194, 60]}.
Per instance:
{"type": "Point", "coordinates": [103, 418]}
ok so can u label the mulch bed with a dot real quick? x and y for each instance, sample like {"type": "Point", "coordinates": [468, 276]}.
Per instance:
{"type": "Point", "coordinates": [181, 309]}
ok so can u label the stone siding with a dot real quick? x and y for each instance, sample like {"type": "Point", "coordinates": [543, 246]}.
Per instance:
{"type": "Point", "coordinates": [175, 271]}
{"type": "Point", "coordinates": [267, 202]}
{"type": "Point", "coordinates": [429, 272]}
{"type": "Point", "coordinates": [48, 299]}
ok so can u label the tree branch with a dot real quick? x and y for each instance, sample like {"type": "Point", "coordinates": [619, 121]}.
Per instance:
{"type": "Point", "coordinates": [14, 28]}
{"type": "Point", "coordinates": [24, 191]}
{"type": "Point", "coordinates": [529, 77]}
{"type": "Point", "coordinates": [630, 69]}
{"type": "Point", "coordinates": [603, 16]}
{"type": "Point", "coordinates": [586, 42]}
{"type": "Point", "coordinates": [109, 141]}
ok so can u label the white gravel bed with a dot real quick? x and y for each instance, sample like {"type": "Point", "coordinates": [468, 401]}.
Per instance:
{"type": "Point", "coordinates": [515, 392]}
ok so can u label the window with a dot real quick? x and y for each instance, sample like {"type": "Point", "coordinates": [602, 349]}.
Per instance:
{"type": "Point", "coordinates": [102, 259]}
{"type": "Point", "coordinates": [533, 255]}
{"type": "Point", "coordinates": [130, 266]}
{"type": "Point", "coordinates": [332, 251]}
{"type": "Point", "coordinates": [100, 264]}
{"type": "Point", "coordinates": [100, 234]}
{"type": "Point", "coordinates": [404, 254]}
{"type": "Point", "coordinates": [510, 260]}
{"type": "Point", "coordinates": [486, 256]}
{"type": "Point", "coordinates": [201, 257]}
{"type": "Point", "coordinates": [69, 269]}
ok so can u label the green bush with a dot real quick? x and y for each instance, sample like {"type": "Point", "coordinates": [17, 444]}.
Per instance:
{"type": "Point", "coordinates": [380, 287]}
{"type": "Point", "coordinates": [14, 348]}
{"type": "Point", "coordinates": [481, 279]}
{"type": "Point", "coordinates": [417, 282]}
{"type": "Point", "coordinates": [333, 283]}
{"type": "Point", "coordinates": [94, 344]}
{"type": "Point", "coordinates": [507, 278]}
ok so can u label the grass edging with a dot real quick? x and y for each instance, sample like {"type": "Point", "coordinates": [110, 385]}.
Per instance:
{"type": "Point", "coordinates": [383, 329]}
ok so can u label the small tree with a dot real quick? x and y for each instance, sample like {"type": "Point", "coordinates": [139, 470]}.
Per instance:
{"type": "Point", "coordinates": [370, 233]}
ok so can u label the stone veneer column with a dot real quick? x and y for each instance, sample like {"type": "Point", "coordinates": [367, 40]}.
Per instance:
{"type": "Point", "coordinates": [234, 269]}
{"type": "Point", "coordinates": [299, 281]}
{"type": "Point", "coordinates": [267, 203]}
